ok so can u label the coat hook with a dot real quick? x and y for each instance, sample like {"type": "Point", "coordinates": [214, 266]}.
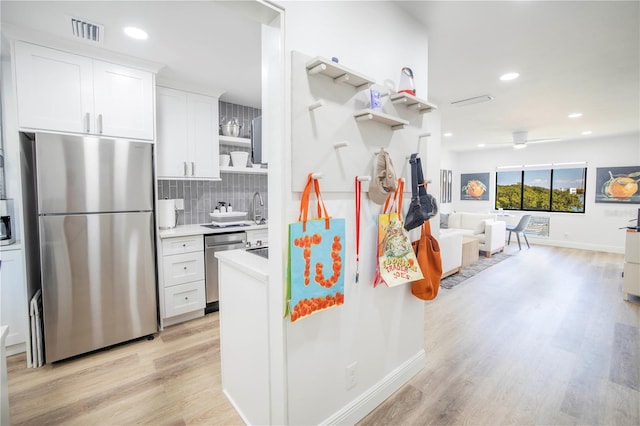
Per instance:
{"type": "Point", "coordinates": [315, 105]}
{"type": "Point", "coordinates": [317, 69]}
{"type": "Point", "coordinates": [316, 175]}
{"type": "Point", "coordinates": [364, 178]}
{"type": "Point", "coordinates": [342, 144]}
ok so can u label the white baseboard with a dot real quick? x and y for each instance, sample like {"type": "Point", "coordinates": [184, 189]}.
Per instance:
{"type": "Point", "coordinates": [16, 349]}
{"type": "Point", "coordinates": [357, 409]}
{"type": "Point", "coordinates": [235, 406]}
{"type": "Point", "coordinates": [573, 244]}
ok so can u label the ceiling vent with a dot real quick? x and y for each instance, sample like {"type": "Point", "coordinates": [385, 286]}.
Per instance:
{"type": "Point", "coordinates": [474, 100]}
{"type": "Point", "coordinates": [87, 31]}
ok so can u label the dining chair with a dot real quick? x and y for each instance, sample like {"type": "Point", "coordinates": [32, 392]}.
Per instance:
{"type": "Point", "coordinates": [519, 229]}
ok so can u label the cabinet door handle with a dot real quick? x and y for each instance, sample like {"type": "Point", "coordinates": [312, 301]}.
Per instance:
{"type": "Point", "coordinates": [185, 169]}
{"type": "Point", "coordinates": [99, 123]}
{"type": "Point", "coordinates": [87, 122]}
{"type": "Point", "coordinates": [193, 168]}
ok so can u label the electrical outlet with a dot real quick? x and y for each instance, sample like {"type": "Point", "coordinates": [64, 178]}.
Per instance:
{"type": "Point", "coordinates": [351, 375]}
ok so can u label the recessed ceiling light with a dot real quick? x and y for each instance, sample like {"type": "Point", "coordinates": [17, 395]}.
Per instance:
{"type": "Point", "coordinates": [136, 33]}
{"type": "Point", "coordinates": [481, 145]}
{"type": "Point", "coordinates": [586, 132]}
{"type": "Point", "coordinates": [447, 135]}
{"type": "Point", "coordinates": [509, 76]}
{"type": "Point", "coordinates": [575, 115]}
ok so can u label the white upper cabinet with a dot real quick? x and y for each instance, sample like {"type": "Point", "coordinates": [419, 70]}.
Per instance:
{"type": "Point", "coordinates": [71, 93]}
{"type": "Point", "coordinates": [187, 142]}
{"type": "Point", "coordinates": [123, 101]}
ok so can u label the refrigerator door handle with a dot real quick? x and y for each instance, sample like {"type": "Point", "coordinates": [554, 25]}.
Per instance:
{"type": "Point", "coordinates": [193, 168]}
{"type": "Point", "coordinates": [87, 122]}
{"type": "Point", "coordinates": [185, 168]}
{"type": "Point", "coordinates": [99, 123]}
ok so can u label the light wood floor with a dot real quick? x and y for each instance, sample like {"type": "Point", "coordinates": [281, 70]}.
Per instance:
{"type": "Point", "coordinates": [541, 338]}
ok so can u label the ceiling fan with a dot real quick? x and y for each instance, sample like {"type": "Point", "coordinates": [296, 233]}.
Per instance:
{"type": "Point", "coordinates": [520, 139]}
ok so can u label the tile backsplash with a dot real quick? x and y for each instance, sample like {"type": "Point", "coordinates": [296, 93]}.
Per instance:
{"type": "Point", "coordinates": [244, 114]}
{"type": "Point", "coordinates": [201, 197]}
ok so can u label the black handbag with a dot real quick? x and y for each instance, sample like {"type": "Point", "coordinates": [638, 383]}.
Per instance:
{"type": "Point", "coordinates": [423, 205]}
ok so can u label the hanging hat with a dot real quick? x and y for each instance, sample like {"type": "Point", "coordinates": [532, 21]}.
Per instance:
{"type": "Point", "coordinates": [384, 179]}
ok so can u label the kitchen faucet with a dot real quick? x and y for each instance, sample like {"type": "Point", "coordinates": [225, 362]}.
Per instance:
{"type": "Point", "coordinates": [257, 218]}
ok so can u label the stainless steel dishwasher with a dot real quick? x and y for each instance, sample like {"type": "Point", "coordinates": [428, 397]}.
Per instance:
{"type": "Point", "coordinates": [214, 243]}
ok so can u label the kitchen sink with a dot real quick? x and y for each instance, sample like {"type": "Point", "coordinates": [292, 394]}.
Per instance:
{"type": "Point", "coordinates": [262, 252]}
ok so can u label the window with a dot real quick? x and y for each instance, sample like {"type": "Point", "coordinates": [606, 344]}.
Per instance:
{"type": "Point", "coordinates": [509, 190]}
{"type": "Point", "coordinates": [550, 190]}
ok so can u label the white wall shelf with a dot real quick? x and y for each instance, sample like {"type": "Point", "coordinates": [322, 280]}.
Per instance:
{"type": "Point", "coordinates": [233, 141]}
{"type": "Point", "coordinates": [339, 73]}
{"type": "Point", "coordinates": [369, 114]}
{"type": "Point", "coordinates": [248, 170]}
{"type": "Point", "coordinates": [411, 101]}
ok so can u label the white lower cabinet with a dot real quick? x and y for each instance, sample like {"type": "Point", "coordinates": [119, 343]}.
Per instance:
{"type": "Point", "coordinates": [13, 301]}
{"type": "Point", "coordinates": [184, 298]}
{"type": "Point", "coordinates": [631, 281]}
{"type": "Point", "coordinates": [182, 279]}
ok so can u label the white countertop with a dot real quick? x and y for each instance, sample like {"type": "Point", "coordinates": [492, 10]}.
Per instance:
{"type": "Point", "coordinates": [186, 230]}
{"type": "Point", "coordinates": [250, 264]}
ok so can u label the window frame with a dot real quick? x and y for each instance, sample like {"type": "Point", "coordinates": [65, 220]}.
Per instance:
{"type": "Point", "coordinates": [551, 189]}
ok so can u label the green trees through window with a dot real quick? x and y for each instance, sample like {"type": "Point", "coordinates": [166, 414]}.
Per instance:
{"type": "Point", "coordinates": [555, 190]}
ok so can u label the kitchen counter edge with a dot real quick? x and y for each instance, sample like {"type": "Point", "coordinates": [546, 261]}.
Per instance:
{"type": "Point", "coordinates": [187, 230]}
{"type": "Point", "coordinates": [246, 262]}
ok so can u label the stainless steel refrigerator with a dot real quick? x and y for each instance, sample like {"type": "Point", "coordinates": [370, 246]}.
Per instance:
{"type": "Point", "coordinates": [92, 222]}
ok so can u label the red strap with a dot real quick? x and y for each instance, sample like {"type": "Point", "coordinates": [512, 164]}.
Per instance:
{"type": "Point", "coordinates": [304, 203]}
{"type": "Point", "coordinates": [320, 202]}
{"type": "Point", "coordinates": [395, 200]}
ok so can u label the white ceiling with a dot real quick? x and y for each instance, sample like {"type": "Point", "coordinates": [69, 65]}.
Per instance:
{"type": "Point", "coordinates": [572, 56]}
{"type": "Point", "coordinates": [202, 43]}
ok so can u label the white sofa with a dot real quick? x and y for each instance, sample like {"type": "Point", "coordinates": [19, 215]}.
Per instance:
{"type": "Point", "coordinates": [450, 252]}
{"type": "Point", "coordinates": [482, 226]}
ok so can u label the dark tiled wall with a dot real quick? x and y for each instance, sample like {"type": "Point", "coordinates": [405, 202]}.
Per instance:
{"type": "Point", "coordinates": [201, 197]}
{"type": "Point", "coordinates": [244, 115]}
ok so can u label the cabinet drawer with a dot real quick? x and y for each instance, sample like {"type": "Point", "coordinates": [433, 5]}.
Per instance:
{"type": "Point", "coordinates": [182, 245]}
{"type": "Point", "coordinates": [184, 298]}
{"type": "Point", "coordinates": [183, 268]}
